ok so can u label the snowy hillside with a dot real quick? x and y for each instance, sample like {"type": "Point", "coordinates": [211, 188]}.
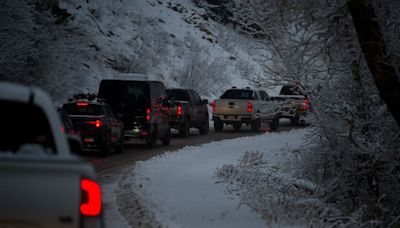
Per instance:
{"type": "Point", "coordinates": [173, 41]}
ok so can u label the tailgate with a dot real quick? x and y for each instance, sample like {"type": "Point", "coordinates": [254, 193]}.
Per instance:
{"type": "Point", "coordinates": [41, 193]}
{"type": "Point", "coordinates": [87, 124]}
{"type": "Point", "coordinates": [231, 107]}
{"type": "Point", "coordinates": [173, 111]}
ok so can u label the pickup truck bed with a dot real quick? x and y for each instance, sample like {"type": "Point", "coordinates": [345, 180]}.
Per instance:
{"type": "Point", "coordinates": [42, 184]}
{"type": "Point", "coordinates": [34, 188]}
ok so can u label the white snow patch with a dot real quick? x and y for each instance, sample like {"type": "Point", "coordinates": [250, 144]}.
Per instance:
{"type": "Point", "coordinates": [179, 188]}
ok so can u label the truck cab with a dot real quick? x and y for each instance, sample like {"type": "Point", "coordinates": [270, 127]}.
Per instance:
{"type": "Point", "coordinates": [42, 183]}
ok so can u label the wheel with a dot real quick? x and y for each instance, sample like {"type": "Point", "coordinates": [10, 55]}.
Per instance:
{"type": "Point", "coordinates": [152, 140]}
{"type": "Point", "coordinates": [274, 124]}
{"type": "Point", "coordinates": [166, 140]}
{"type": "Point", "coordinates": [185, 129]}
{"type": "Point", "coordinates": [256, 125]}
{"type": "Point", "coordinates": [237, 126]}
{"type": "Point", "coordinates": [120, 147]}
{"type": "Point", "coordinates": [105, 149]}
{"type": "Point", "coordinates": [205, 128]}
{"type": "Point", "coordinates": [218, 125]}
{"type": "Point", "coordinates": [294, 120]}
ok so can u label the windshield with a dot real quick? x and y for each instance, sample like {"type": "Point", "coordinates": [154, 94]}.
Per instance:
{"type": "Point", "coordinates": [85, 109]}
{"type": "Point", "coordinates": [238, 94]}
{"type": "Point", "coordinates": [178, 94]}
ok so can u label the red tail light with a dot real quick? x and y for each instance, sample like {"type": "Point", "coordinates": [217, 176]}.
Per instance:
{"type": "Point", "coordinates": [82, 104]}
{"type": "Point", "coordinates": [306, 104]}
{"type": "Point", "coordinates": [91, 198]}
{"type": "Point", "coordinates": [148, 114]}
{"type": "Point", "coordinates": [249, 107]}
{"type": "Point", "coordinates": [97, 123]}
{"type": "Point", "coordinates": [214, 106]}
{"type": "Point", "coordinates": [179, 110]}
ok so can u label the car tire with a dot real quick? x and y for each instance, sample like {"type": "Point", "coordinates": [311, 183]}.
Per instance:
{"type": "Point", "coordinates": [120, 147]}
{"type": "Point", "coordinates": [218, 126]}
{"type": "Point", "coordinates": [152, 140]}
{"type": "Point", "coordinates": [294, 120]}
{"type": "Point", "coordinates": [205, 127]}
{"type": "Point", "coordinates": [105, 149]}
{"type": "Point", "coordinates": [274, 124]}
{"type": "Point", "coordinates": [256, 125]}
{"type": "Point", "coordinates": [237, 126]}
{"type": "Point", "coordinates": [166, 140]}
{"type": "Point", "coordinates": [185, 128]}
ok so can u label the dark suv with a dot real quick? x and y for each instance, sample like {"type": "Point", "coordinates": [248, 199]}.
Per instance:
{"type": "Point", "coordinates": [99, 127]}
{"type": "Point", "coordinates": [144, 106]}
{"type": "Point", "coordinates": [190, 111]}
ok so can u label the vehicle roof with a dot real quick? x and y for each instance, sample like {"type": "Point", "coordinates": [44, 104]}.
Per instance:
{"type": "Point", "coordinates": [178, 89]}
{"type": "Point", "coordinates": [17, 93]}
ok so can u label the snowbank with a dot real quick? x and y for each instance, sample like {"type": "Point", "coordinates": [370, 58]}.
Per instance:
{"type": "Point", "coordinates": [179, 190]}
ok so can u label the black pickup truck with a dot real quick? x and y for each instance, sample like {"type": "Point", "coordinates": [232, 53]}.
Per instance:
{"type": "Point", "coordinates": [189, 111]}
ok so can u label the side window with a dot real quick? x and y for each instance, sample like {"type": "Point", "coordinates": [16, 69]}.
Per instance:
{"type": "Point", "coordinates": [196, 97]}
{"type": "Point", "coordinates": [263, 95]}
{"type": "Point", "coordinates": [255, 95]}
{"type": "Point", "coordinates": [192, 98]}
{"type": "Point", "coordinates": [154, 92]}
{"type": "Point", "coordinates": [162, 90]}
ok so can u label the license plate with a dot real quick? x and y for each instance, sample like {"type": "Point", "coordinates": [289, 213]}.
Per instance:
{"type": "Point", "coordinates": [231, 118]}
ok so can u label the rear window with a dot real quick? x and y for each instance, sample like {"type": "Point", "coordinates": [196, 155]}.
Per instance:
{"type": "Point", "coordinates": [126, 97]}
{"type": "Point", "coordinates": [85, 110]}
{"type": "Point", "coordinates": [177, 94]}
{"type": "Point", "coordinates": [22, 125]}
{"type": "Point", "coordinates": [290, 90]}
{"type": "Point", "coordinates": [238, 94]}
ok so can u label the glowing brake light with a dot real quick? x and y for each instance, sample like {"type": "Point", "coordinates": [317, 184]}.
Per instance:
{"type": "Point", "coordinates": [97, 123]}
{"type": "Point", "coordinates": [249, 107]}
{"type": "Point", "coordinates": [306, 104]}
{"type": "Point", "coordinates": [91, 198]}
{"type": "Point", "coordinates": [214, 106]}
{"type": "Point", "coordinates": [82, 104]}
{"type": "Point", "coordinates": [179, 110]}
{"type": "Point", "coordinates": [148, 114]}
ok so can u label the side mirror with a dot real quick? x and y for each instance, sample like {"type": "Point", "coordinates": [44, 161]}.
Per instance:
{"type": "Point", "coordinates": [75, 144]}
{"type": "Point", "coordinates": [205, 102]}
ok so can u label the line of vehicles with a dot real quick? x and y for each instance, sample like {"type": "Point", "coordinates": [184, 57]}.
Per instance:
{"type": "Point", "coordinates": [132, 107]}
{"type": "Point", "coordinates": [45, 184]}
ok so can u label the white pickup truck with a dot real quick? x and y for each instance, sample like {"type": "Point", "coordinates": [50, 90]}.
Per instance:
{"type": "Point", "coordinates": [292, 103]}
{"type": "Point", "coordinates": [244, 106]}
{"type": "Point", "coordinates": [42, 185]}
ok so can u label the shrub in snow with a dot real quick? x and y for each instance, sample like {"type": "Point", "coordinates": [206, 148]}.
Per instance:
{"type": "Point", "coordinates": [277, 195]}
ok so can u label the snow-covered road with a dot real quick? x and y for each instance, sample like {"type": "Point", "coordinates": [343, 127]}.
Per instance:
{"type": "Point", "coordinates": [178, 189]}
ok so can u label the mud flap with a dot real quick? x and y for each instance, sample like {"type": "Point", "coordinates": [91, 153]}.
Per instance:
{"type": "Point", "coordinates": [265, 126]}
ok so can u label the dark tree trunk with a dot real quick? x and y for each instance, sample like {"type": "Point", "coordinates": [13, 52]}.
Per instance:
{"type": "Point", "coordinates": [373, 46]}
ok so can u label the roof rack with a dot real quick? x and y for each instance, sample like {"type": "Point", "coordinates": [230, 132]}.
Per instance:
{"type": "Point", "coordinates": [90, 97]}
{"type": "Point", "coordinates": [132, 76]}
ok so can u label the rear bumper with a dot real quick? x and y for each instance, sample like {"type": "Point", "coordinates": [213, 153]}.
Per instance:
{"type": "Point", "coordinates": [93, 140]}
{"type": "Point", "coordinates": [138, 132]}
{"type": "Point", "coordinates": [231, 119]}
